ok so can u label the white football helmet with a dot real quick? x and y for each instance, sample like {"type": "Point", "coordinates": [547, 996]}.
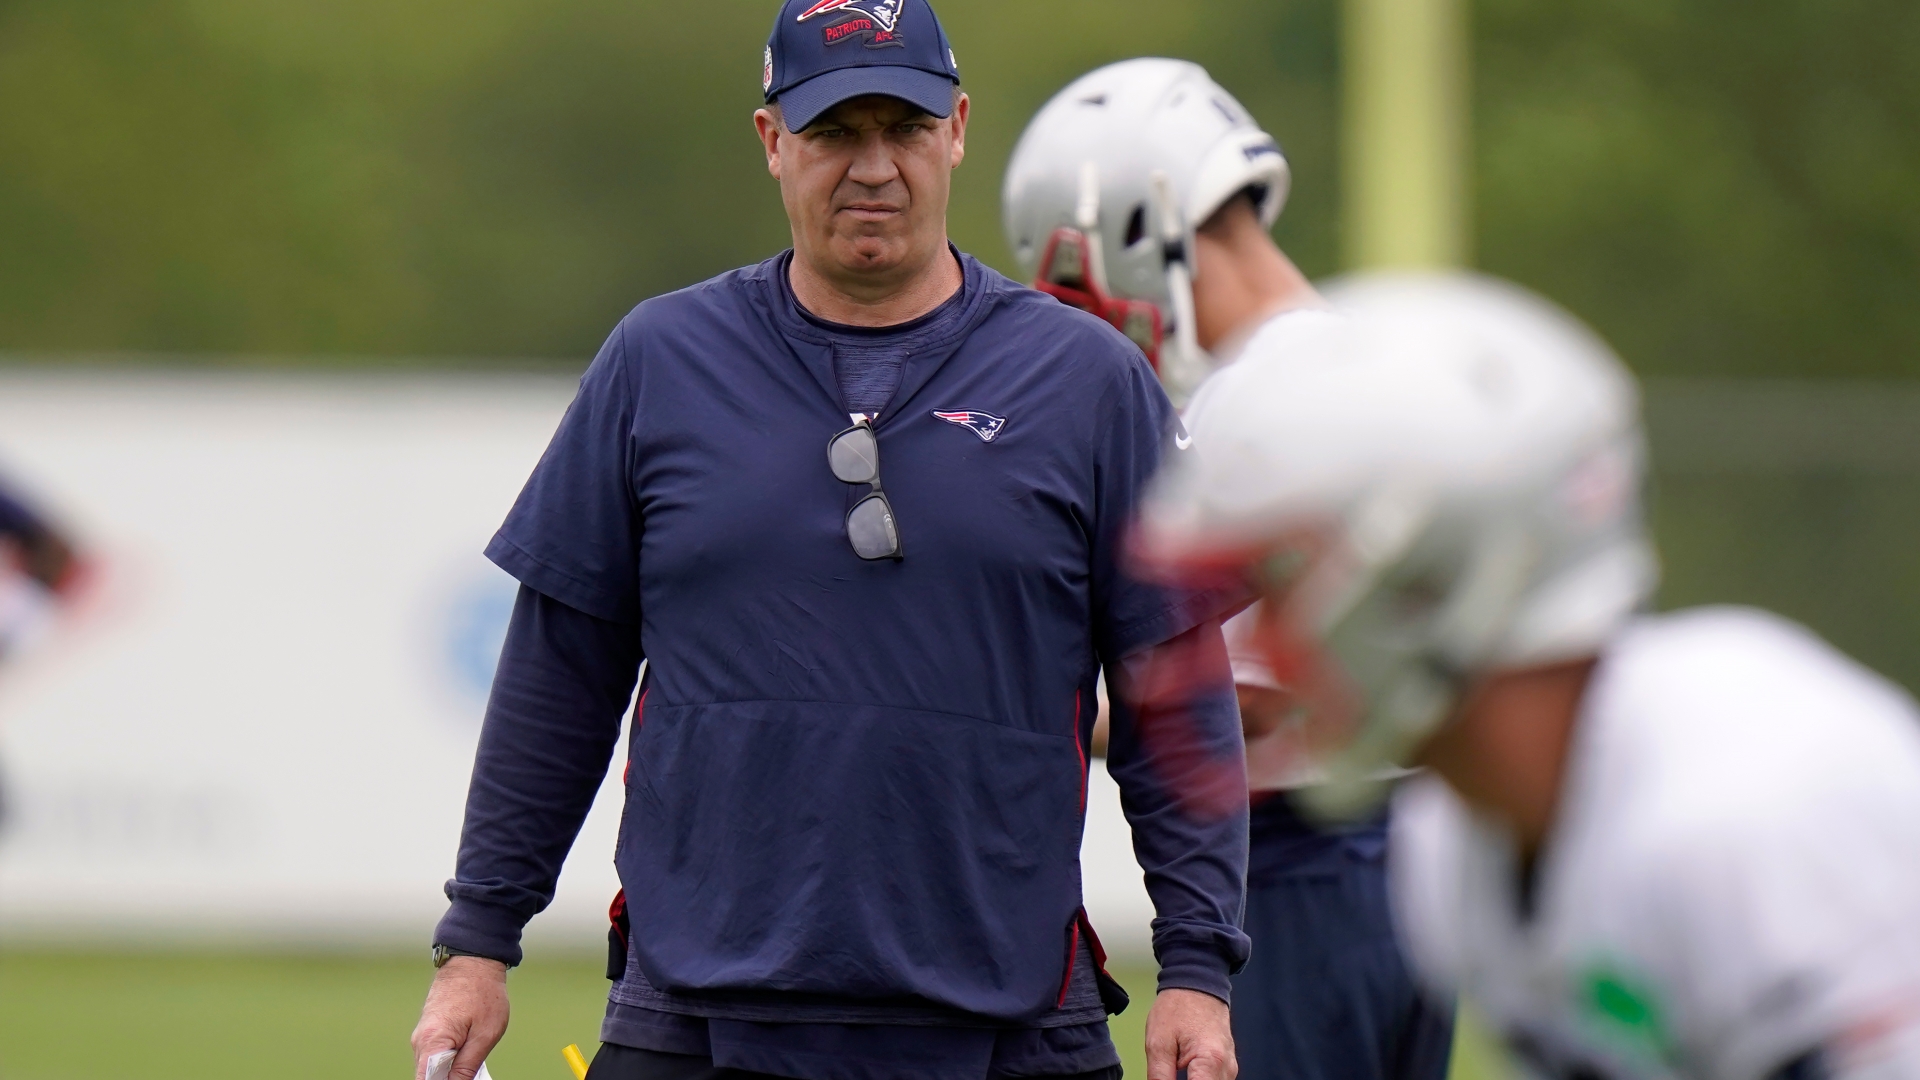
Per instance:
{"type": "Point", "coordinates": [1446, 483]}
{"type": "Point", "coordinates": [1110, 180]}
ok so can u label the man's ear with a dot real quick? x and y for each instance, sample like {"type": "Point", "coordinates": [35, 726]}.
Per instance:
{"type": "Point", "coordinates": [768, 124]}
{"type": "Point", "coordinates": [961, 107]}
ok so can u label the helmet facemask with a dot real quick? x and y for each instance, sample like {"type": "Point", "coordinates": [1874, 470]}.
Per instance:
{"type": "Point", "coordinates": [1373, 623]}
{"type": "Point", "coordinates": [1070, 271]}
{"type": "Point", "coordinates": [1073, 270]}
{"type": "Point", "coordinates": [1187, 365]}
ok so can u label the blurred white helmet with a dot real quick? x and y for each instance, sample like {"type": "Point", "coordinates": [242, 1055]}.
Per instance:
{"type": "Point", "coordinates": [1110, 180]}
{"type": "Point", "coordinates": [1444, 484]}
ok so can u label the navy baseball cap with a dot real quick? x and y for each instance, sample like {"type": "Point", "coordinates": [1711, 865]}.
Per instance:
{"type": "Point", "coordinates": [823, 52]}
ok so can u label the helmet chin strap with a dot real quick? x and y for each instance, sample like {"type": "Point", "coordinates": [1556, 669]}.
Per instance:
{"type": "Point", "coordinates": [1188, 364]}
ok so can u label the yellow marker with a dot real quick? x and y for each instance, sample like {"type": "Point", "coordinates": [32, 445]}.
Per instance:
{"type": "Point", "coordinates": [575, 1062]}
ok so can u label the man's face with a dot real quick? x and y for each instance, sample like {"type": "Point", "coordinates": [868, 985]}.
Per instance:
{"type": "Point", "coordinates": [866, 185]}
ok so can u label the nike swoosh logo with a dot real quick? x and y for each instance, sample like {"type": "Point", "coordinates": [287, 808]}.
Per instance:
{"type": "Point", "coordinates": [1181, 442]}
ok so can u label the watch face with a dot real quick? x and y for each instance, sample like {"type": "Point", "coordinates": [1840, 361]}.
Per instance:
{"type": "Point", "coordinates": [441, 954]}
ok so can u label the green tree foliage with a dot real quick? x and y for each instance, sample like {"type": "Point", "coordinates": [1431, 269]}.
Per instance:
{"type": "Point", "coordinates": [1722, 187]}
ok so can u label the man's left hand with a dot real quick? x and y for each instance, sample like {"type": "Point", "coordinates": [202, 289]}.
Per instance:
{"type": "Point", "coordinates": [1189, 1030]}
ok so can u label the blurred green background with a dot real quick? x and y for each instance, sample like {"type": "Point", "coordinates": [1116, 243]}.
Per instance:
{"type": "Point", "coordinates": [1727, 190]}
{"type": "Point", "coordinates": [1722, 187]}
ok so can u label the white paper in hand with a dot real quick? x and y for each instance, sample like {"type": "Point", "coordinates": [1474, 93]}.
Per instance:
{"type": "Point", "coordinates": [440, 1066]}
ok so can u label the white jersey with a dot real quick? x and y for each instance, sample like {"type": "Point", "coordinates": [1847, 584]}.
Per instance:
{"type": "Point", "coordinates": [1733, 877]}
{"type": "Point", "coordinates": [1274, 341]}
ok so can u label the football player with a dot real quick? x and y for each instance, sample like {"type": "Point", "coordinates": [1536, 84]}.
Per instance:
{"type": "Point", "coordinates": [1144, 192]}
{"type": "Point", "coordinates": [1676, 845]}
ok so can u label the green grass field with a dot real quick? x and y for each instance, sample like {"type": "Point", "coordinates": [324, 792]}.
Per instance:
{"type": "Point", "coordinates": [198, 1016]}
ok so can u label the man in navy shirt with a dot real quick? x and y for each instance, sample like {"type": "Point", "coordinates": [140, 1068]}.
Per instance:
{"type": "Point", "coordinates": [860, 508]}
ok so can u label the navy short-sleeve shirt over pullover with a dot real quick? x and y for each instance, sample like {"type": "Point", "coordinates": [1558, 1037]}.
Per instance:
{"type": "Point", "coordinates": [851, 779]}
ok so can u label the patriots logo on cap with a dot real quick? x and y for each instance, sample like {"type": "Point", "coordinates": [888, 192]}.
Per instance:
{"type": "Point", "coordinates": [985, 425]}
{"type": "Point", "coordinates": [884, 12]}
{"type": "Point", "coordinates": [766, 71]}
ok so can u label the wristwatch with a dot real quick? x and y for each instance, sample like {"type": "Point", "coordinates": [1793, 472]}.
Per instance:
{"type": "Point", "coordinates": [444, 953]}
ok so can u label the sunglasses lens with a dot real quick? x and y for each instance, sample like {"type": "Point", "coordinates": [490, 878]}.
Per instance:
{"type": "Point", "coordinates": [854, 455]}
{"type": "Point", "coordinates": [871, 530]}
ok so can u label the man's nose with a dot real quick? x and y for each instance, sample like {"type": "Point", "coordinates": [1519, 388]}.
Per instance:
{"type": "Point", "coordinates": [873, 164]}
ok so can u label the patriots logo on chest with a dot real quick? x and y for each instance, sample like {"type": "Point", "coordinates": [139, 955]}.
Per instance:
{"type": "Point", "coordinates": [985, 425]}
{"type": "Point", "coordinates": [884, 12]}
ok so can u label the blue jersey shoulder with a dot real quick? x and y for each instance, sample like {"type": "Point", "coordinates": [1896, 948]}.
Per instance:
{"type": "Point", "coordinates": [1045, 331]}
{"type": "Point", "coordinates": [726, 305]}
{"type": "Point", "coordinates": [1092, 345]}
{"type": "Point", "coordinates": [721, 296]}
{"type": "Point", "coordinates": [1085, 328]}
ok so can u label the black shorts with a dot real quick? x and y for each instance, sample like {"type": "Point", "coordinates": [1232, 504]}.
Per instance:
{"type": "Point", "coordinates": [615, 1062]}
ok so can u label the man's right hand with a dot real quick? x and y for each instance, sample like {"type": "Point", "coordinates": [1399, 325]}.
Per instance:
{"type": "Point", "coordinates": [466, 1011]}
{"type": "Point", "coordinates": [1190, 1033]}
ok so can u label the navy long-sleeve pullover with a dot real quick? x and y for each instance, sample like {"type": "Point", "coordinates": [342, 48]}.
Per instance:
{"type": "Point", "coordinates": [855, 789]}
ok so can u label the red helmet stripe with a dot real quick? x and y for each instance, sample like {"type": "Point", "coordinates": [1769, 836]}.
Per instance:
{"type": "Point", "coordinates": [823, 6]}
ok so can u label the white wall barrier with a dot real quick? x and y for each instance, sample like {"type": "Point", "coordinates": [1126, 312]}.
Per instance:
{"type": "Point", "coordinates": [257, 727]}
